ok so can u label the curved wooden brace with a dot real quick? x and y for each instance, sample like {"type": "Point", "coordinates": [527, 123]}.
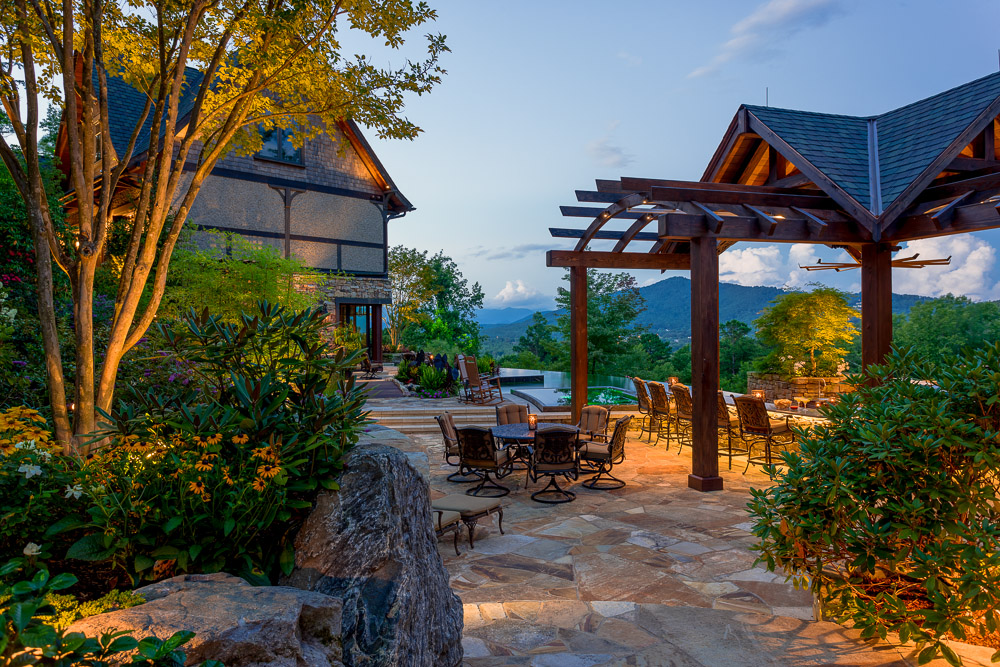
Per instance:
{"type": "Point", "coordinates": [620, 206]}
{"type": "Point", "coordinates": [633, 229]}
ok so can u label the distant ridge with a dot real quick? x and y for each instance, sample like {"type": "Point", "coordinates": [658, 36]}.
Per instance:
{"type": "Point", "coordinates": [668, 311]}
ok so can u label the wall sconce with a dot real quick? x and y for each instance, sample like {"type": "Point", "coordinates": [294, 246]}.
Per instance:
{"type": "Point", "coordinates": [672, 380]}
{"type": "Point", "coordinates": [532, 422]}
{"type": "Point", "coordinates": [758, 393]}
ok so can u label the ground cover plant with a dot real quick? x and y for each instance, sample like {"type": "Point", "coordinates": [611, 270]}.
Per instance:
{"type": "Point", "coordinates": [890, 512]}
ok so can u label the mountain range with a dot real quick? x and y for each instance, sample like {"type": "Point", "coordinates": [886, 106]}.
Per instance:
{"type": "Point", "coordinates": [668, 311]}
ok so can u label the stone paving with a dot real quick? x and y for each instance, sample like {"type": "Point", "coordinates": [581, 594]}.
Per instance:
{"type": "Point", "coordinates": [650, 574]}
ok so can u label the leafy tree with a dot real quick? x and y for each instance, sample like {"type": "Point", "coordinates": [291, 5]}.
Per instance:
{"type": "Point", "coordinates": [538, 341]}
{"type": "Point", "coordinates": [449, 318]}
{"type": "Point", "coordinates": [412, 282]}
{"type": "Point", "coordinates": [655, 347]}
{"type": "Point", "coordinates": [260, 66]}
{"type": "Point", "coordinates": [613, 304]}
{"type": "Point", "coordinates": [942, 327]}
{"type": "Point", "coordinates": [806, 332]}
{"type": "Point", "coordinates": [737, 351]}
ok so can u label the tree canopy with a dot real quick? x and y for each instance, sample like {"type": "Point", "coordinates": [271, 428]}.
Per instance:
{"type": "Point", "coordinates": [942, 327]}
{"type": "Point", "coordinates": [212, 75]}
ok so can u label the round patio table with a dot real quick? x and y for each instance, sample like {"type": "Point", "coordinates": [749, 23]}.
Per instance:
{"type": "Point", "coordinates": [514, 433]}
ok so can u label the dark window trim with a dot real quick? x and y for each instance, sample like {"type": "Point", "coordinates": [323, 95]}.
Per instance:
{"type": "Point", "coordinates": [297, 165]}
{"type": "Point", "coordinates": [280, 132]}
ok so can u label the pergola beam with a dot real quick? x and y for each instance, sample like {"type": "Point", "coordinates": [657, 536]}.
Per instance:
{"type": "Point", "coordinates": [970, 218]}
{"type": "Point", "coordinates": [745, 228]}
{"type": "Point", "coordinates": [736, 195]}
{"type": "Point", "coordinates": [617, 260]}
{"type": "Point", "coordinates": [603, 235]}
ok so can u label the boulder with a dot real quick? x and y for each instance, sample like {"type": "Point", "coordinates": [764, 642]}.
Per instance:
{"type": "Point", "coordinates": [372, 545]}
{"type": "Point", "coordinates": [239, 624]}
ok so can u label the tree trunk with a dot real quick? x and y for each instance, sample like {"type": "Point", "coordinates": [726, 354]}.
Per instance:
{"type": "Point", "coordinates": [85, 421]}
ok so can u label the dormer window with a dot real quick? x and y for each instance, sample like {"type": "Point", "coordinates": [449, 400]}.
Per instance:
{"type": "Point", "coordinates": [277, 145]}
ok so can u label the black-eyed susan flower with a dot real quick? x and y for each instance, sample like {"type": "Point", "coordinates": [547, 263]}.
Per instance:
{"type": "Point", "coordinates": [226, 478]}
{"type": "Point", "coordinates": [203, 465]}
{"type": "Point", "coordinates": [259, 484]}
{"type": "Point", "coordinates": [241, 439]}
{"type": "Point", "coordinates": [268, 470]}
{"type": "Point", "coordinates": [206, 497]}
{"type": "Point", "coordinates": [215, 439]}
{"type": "Point", "coordinates": [197, 486]}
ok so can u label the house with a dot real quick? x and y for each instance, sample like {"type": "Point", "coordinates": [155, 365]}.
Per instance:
{"type": "Point", "coordinates": [328, 203]}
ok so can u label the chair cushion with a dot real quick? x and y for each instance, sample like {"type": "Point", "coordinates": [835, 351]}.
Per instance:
{"type": "Point", "coordinates": [589, 448]}
{"type": "Point", "coordinates": [734, 422]}
{"type": "Point", "coordinates": [555, 467]}
{"type": "Point", "coordinates": [447, 517]}
{"type": "Point", "coordinates": [779, 426]}
{"type": "Point", "coordinates": [466, 505]}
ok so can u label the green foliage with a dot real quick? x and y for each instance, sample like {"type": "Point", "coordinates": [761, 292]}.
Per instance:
{"type": "Point", "coordinates": [37, 486]}
{"type": "Point", "coordinates": [405, 371]}
{"type": "Point", "coordinates": [539, 341]}
{"type": "Point", "coordinates": [228, 274]}
{"type": "Point", "coordinates": [411, 280]}
{"type": "Point", "coordinates": [67, 609]}
{"type": "Point", "coordinates": [613, 305]}
{"type": "Point", "coordinates": [891, 510]}
{"type": "Point", "coordinates": [31, 638]}
{"type": "Point", "coordinates": [486, 364]}
{"type": "Point", "coordinates": [432, 379]}
{"type": "Point", "coordinates": [447, 318]}
{"type": "Point", "coordinates": [217, 474]}
{"type": "Point", "coordinates": [348, 337]}
{"type": "Point", "coordinates": [942, 327]}
{"type": "Point", "coordinates": [738, 349]}
{"type": "Point", "coordinates": [806, 332]}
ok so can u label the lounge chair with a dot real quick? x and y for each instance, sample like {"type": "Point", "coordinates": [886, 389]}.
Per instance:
{"type": "Point", "coordinates": [602, 457]}
{"type": "Point", "coordinates": [471, 509]}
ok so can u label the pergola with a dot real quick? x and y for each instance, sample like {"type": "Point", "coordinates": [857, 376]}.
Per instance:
{"type": "Point", "coordinates": [863, 185]}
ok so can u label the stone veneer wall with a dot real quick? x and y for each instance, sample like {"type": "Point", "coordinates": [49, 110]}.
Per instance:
{"type": "Point", "coordinates": [775, 386]}
{"type": "Point", "coordinates": [329, 289]}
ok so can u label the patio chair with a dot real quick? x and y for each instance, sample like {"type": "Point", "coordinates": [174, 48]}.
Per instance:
{"type": "Point", "coordinates": [683, 414]}
{"type": "Point", "coordinates": [645, 407]}
{"type": "Point", "coordinates": [464, 377]}
{"type": "Point", "coordinates": [730, 424]}
{"type": "Point", "coordinates": [602, 457]}
{"type": "Point", "coordinates": [480, 455]}
{"type": "Point", "coordinates": [481, 390]}
{"type": "Point", "coordinates": [369, 371]}
{"type": "Point", "coordinates": [757, 425]}
{"type": "Point", "coordinates": [451, 451]}
{"type": "Point", "coordinates": [446, 521]}
{"type": "Point", "coordinates": [472, 510]}
{"type": "Point", "coordinates": [553, 455]}
{"type": "Point", "coordinates": [659, 411]}
{"type": "Point", "coordinates": [512, 413]}
{"type": "Point", "coordinates": [593, 422]}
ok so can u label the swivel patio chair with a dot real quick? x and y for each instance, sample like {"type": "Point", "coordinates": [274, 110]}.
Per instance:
{"type": "Point", "coordinates": [645, 407]}
{"type": "Point", "coordinates": [553, 455]}
{"type": "Point", "coordinates": [730, 424]}
{"type": "Point", "coordinates": [602, 457]}
{"type": "Point", "coordinates": [683, 416]}
{"type": "Point", "coordinates": [660, 411]}
{"type": "Point", "coordinates": [451, 451]}
{"type": "Point", "coordinates": [593, 422]}
{"type": "Point", "coordinates": [471, 510]}
{"type": "Point", "coordinates": [480, 455]}
{"type": "Point", "coordinates": [512, 413]}
{"type": "Point", "coordinates": [757, 426]}
{"type": "Point", "coordinates": [369, 371]}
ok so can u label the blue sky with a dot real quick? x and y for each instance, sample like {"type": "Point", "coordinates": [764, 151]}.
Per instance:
{"type": "Point", "coordinates": [543, 97]}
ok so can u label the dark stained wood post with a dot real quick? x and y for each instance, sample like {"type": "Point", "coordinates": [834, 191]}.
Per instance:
{"type": "Point", "coordinates": [376, 332]}
{"type": "Point", "coordinates": [876, 303]}
{"type": "Point", "coordinates": [578, 339]}
{"type": "Point", "coordinates": [705, 364]}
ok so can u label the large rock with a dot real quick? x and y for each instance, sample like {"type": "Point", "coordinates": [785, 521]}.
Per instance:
{"type": "Point", "coordinates": [239, 624]}
{"type": "Point", "coordinates": [372, 545]}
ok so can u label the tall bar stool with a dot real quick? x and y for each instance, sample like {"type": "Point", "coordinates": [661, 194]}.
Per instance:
{"type": "Point", "coordinates": [684, 415]}
{"type": "Point", "coordinates": [660, 411]}
{"type": "Point", "coordinates": [726, 422]}
{"type": "Point", "coordinates": [645, 407]}
{"type": "Point", "coordinates": [757, 425]}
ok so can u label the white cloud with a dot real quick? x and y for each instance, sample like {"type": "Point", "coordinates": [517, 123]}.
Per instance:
{"type": "Point", "coordinates": [607, 154]}
{"type": "Point", "coordinates": [753, 266]}
{"type": "Point", "coordinates": [800, 254]}
{"type": "Point", "coordinates": [972, 262]}
{"type": "Point", "coordinates": [630, 59]}
{"type": "Point", "coordinates": [515, 293]}
{"type": "Point", "coordinates": [774, 22]}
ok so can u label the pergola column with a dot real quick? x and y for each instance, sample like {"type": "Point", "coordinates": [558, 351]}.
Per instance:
{"type": "Point", "coordinates": [876, 303]}
{"type": "Point", "coordinates": [578, 339]}
{"type": "Point", "coordinates": [705, 364]}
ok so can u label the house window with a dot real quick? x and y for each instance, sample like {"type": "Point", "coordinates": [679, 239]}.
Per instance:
{"type": "Point", "coordinates": [277, 145]}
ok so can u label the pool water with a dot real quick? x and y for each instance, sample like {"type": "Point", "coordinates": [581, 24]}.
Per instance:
{"type": "Point", "coordinates": [558, 399]}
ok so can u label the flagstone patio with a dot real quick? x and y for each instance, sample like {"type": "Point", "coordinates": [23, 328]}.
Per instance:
{"type": "Point", "coordinates": [651, 574]}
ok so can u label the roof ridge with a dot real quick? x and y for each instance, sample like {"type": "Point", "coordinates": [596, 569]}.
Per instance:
{"type": "Point", "coordinates": [752, 107]}
{"type": "Point", "coordinates": [878, 117]}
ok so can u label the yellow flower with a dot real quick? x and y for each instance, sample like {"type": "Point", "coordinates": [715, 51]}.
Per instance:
{"type": "Point", "coordinates": [205, 497]}
{"type": "Point", "coordinates": [203, 465]}
{"type": "Point", "coordinates": [241, 439]}
{"type": "Point", "coordinates": [196, 487]}
{"type": "Point", "coordinates": [259, 484]}
{"type": "Point", "coordinates": [226, 478]}
{"type": "Point", "coordinates": [198, 441]}
{"type": "Point", "coordinates": [215, 439]}
{"type": "Point", "coordinates": [267, 471]}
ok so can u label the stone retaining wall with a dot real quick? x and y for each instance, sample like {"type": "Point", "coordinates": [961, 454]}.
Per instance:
{"type": "Point", "coordinates": [775, 386]}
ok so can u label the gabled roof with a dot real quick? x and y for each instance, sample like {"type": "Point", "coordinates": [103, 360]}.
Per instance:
{"type": "Point", "coordinates": [877, 160]}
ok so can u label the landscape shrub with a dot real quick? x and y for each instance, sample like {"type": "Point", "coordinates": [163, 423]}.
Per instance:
{"type": "Point", "coordinates": [31, 638]}
{"type": "Point", "coordinates": [486, 364]}
{"type": "Point", "coordinates": [37, 485]}
{"type": "Point", "coordinates": [404, 371]}
{"type": "Point", "coordinates": [218, 474]}
{"type": "Point", "coordinates": [889, 513]}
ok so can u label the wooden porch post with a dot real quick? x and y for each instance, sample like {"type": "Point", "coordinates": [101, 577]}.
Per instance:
{"type": "Point", "coordinates": [377, 332]}
{"type": "Point", "coordinates": [876, 303]}
{"type": "Point", "coordinates": [578, 339]}
{"type": "Point", "coordinates": [705, 364]}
